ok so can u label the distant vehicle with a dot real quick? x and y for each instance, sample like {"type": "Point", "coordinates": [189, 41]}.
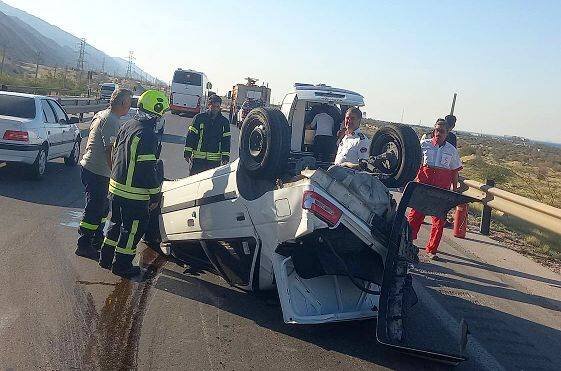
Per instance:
{"type": "Point", "coordinates": [160, 124]}
{"type": "Point", "coordinates": [35, 129]}
{"type": "Point", "coordinates": [106, 89]}
{"type": "Point", "coordinates": [240, 93]}
{"type": "Point", "coordinates": [189, 92]}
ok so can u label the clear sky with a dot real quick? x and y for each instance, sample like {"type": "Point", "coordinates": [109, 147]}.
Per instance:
{"type": "Point", "coordinates": [502, 57]}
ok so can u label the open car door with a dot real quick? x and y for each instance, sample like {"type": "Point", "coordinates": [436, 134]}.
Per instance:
{"type": "Point", "coordinates": [397, 294]}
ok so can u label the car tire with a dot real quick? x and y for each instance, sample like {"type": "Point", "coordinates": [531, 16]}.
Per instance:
{"type": "Point", "coordinates": [74, 156]}
{"type": "Point", "coordinates": [404, 143]}
{"type": "Point", "coordinates": [264, 143]}
{"type": "Point", "coordinates": [38, 169]}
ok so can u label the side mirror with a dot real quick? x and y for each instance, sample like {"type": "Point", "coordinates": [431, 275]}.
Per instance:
{"type": "Point", "coordinates": [62, 122]}
{"type": "Point", "coordinates": [73, 120]}
{"type": "Point", "coordinates": [209, 85]}
{"type": "Point", "coordinates": [229, 94]}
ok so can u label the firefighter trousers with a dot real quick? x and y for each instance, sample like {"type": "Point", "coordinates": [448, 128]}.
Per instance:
{"type": "Point", "coordinates": [416, 218]}
{"type": "Point", "coordinates": [96, 210]}
{"type": "Point", "coordinates": [126, 226]}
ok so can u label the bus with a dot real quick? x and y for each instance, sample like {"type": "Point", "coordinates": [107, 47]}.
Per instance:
{"type": "Point", "coordinates": [189, 92]}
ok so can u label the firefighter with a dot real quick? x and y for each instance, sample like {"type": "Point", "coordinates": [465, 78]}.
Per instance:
{"type": "Point", "coordinates": [208, 138]}
{"type": "Point", "coordinates": [95, 172]}
{"type": "Point", "coordinates": [441, 164]}
{"type": "Point", "coordinates": [134, 184]}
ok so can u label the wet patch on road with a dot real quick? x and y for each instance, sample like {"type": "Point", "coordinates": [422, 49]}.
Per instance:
{"type": "Point", "coordinates": [113, 344]}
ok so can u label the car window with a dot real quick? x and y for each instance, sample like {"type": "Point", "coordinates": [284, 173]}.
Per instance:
{"type": "Point", "coordinates": [187, 78]}
{"type": "Point", "coordinates": [59, 113]}
{"type": "Point", "coordinates": [48, 113]}
{"type": "Point", "coordinates": [16, 106]}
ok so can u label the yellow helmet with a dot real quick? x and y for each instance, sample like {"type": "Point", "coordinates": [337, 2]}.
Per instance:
{"type": "Point", "coordinates": [153, 101]}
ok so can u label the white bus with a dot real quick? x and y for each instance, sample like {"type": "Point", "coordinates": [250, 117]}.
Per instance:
{"type": "Point", "coordinates": [189, 92]}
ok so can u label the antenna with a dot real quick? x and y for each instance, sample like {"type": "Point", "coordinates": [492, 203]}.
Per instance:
{"type": "Point", "coordinates": [129, 65]}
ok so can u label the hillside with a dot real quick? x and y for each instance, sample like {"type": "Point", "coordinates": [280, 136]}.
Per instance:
{"type": "Point", "coordinates": [25, 34]}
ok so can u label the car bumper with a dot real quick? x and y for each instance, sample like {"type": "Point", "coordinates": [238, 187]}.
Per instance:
{"type": "Point", "coordinates": [173, 107]}
{"type": "Point", "coordinates": [23, 153]}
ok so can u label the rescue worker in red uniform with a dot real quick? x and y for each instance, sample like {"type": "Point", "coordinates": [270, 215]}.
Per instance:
{"type": "Point", "coordinates": [134, 185]}
{"type": "Point", "coordinates": [441, 164]}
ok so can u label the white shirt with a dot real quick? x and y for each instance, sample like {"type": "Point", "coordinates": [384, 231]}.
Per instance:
{"type": "Point", "coordinates": [323, 123]}
{"type": "Point", "coordinates": [352, 148]}
{"type": "Point", "coordinates": [444, 157]}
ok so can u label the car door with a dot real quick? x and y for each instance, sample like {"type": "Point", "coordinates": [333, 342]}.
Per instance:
{"type": "Point", "coordinates": [53, 129]}
{"type": "Point", "coordinates": [229, 237]}
{"type": "Point", "coordinates": [67, 129]}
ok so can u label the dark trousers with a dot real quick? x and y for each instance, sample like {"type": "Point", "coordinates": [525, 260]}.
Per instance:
{"type": "Point", "coordinates": [324, 148]}
{"type": "Point", "coordinates": [96, 210]}
{"type": "Point", "coordinates": [199, 165]}
{"type": "Point", "coordinates": [126, 226]}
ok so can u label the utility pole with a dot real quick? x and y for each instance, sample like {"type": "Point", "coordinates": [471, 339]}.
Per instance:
{"type": "Point", "coordinates": [37, 64]}
{"type": "Point", "coordinates": [3, 59]}
{"type": "Point", "coordinates": [402, 112]}
{"type": "Point", "coordinates": [81, 55]}
{"type": "Point", "coordinates": [128, 75]}
{"type": "Point", "coordinates": [453, 104]}
{"type": "Point", "coordinates": [103, 65]}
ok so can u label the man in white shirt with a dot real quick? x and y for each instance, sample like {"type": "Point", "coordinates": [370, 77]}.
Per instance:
{"type": "Point", "coordinates": [324, 141]}
{"type": "Point", "coordinates": [353, 145]}
{"type": "Point", "coordinates": [440, 167]}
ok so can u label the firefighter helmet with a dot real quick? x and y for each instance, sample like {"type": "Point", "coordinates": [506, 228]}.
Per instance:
{"type": "Point", "coordinates": [153, 101]}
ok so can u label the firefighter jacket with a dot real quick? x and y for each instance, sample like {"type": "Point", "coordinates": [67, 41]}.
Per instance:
{"type": "Point", "coordinates": [134, 174]}
{"type": "Point", "coordinates": [208, 138]}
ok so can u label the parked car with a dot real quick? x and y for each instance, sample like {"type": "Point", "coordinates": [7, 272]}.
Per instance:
{"type": "Point", "coordinates": [333, 242]}
{"type": "Point", "coordinates": [35, 129]}
{"type": "Point", "coordinates": [189, 92]}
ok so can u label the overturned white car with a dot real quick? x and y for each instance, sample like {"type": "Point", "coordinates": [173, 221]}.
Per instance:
{"type": "Point", "coordinates": [330, 240]}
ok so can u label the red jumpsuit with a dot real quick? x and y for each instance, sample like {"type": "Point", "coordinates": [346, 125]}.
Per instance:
{"type": "Point", "coordinates": [440, 163]}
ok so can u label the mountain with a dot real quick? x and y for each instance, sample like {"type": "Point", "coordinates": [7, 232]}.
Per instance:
{"type": "Point", "coordinates": [59, 46]}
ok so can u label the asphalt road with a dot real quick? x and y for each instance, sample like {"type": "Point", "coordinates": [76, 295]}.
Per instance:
{"type": "Point", "coordinates": [59, 311]}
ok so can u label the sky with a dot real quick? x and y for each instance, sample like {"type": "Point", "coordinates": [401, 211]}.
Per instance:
{"type": "Point", "coordinates": [503, 58]}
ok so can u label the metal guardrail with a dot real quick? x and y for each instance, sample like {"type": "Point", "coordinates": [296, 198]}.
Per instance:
{"type": "Point", "coordinates": [533, 212]}
{"type": "Point", "coordinates": [79, 105]}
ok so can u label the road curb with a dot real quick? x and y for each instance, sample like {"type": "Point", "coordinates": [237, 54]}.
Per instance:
{"type": "Point", "coordinates": [475, 351]}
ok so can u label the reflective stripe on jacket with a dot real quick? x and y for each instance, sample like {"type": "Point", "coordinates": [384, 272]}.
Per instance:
{"type": "Point", "coordinates": [134, 162]}
{"type": "Point", "coordinates": [208, 138]}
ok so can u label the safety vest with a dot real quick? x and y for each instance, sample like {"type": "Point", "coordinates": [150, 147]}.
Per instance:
{"type": "Point", "coordinates": [134, 175]}
{"type": "Point", "coordinates": [208, 138]}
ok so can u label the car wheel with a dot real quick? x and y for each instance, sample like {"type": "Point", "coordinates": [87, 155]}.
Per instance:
{"type": "Point", "coordinates": [264, 143]}
{"type": "Point", "coordinates": [39, 167]}
{"type": "Point", "coordinates": [74, 156]}
{"type": "Point", "coordinates": [403, 143]}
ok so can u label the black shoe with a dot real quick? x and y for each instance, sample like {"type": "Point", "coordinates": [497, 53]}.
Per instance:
{"type": "Point", "coordinates": [126, 272]}
{"type": "Point", "coordinates": [87, 252]}
{"type": "Point", "coordinates": [122, 266]}
{"type": "Point", "coordinates": [106, 256]}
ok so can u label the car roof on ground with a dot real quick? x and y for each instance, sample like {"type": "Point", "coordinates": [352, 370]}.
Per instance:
{"type": "Point", "coordinates": [22, 94]}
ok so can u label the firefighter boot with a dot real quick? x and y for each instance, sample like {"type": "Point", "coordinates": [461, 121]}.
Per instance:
{"type": "Point", "coordinates": [123, 266]}
{"type": "Point", "coordinates": [106, 256]}
{"type": "Point", "coordinates": [87, 252]}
